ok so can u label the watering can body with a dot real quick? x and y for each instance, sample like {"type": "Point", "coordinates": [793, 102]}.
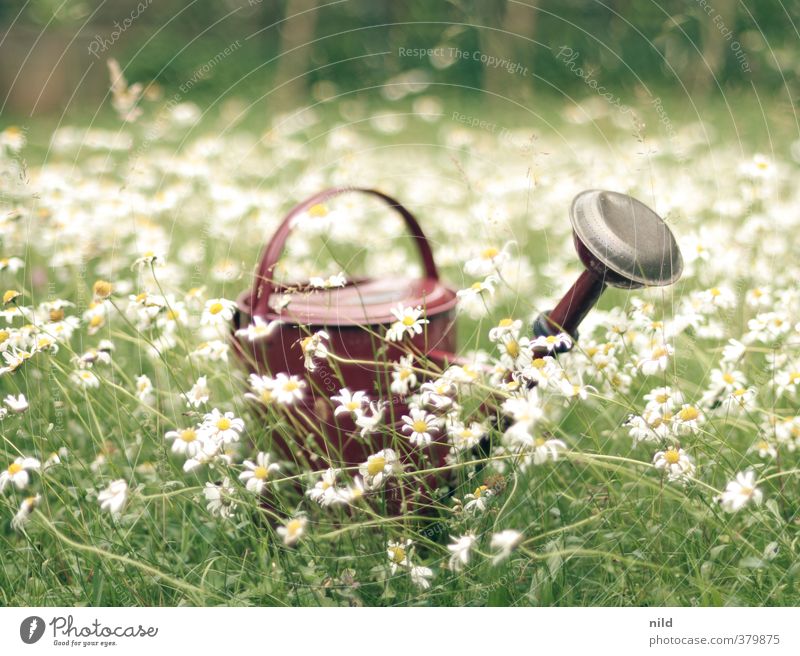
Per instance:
{"type": "Point", "coordinates": [355, 318]}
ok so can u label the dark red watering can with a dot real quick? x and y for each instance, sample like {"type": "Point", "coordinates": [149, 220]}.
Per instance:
{"type": "Point", "coordinates": [621, 242]}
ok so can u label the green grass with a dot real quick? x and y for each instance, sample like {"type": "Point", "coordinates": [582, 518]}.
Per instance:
{"type": "Point", "coordinates": [600, 526]}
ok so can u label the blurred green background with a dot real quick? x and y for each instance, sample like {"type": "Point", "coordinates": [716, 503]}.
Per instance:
{"type": "Point", "coordinates": [293, 52]}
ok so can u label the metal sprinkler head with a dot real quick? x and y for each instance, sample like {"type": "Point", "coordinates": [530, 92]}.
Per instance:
{"type": "Point", "coordinates": [622, 243]}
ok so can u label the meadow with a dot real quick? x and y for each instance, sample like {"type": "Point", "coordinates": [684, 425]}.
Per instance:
{"type": "Point", "coordinates": [654, 464]}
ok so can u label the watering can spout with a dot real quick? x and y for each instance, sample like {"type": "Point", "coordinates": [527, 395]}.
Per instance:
{"type": "Point", "coordinates": [622, 243]}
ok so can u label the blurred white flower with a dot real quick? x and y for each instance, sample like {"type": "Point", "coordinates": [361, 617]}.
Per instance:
{"type": "Point", "coordinates": [113, 498]}
{"type": "Point", "coordinates": [504, 543]}
{"type": "Point", "coordinates": [740, 492]}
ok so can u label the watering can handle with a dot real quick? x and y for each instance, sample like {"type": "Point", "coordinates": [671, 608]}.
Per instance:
{"type": "Point", "coordinates": [263, 285]}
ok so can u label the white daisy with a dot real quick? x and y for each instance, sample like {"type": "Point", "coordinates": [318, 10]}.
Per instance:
{"type": "Point", "coordinates": [257, 473]}
{"type": "Point", "coordinates": [421, 426]}
{"type": "Point", "coordinates": [113, 498]}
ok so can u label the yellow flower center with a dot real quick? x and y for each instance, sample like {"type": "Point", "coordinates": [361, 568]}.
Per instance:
{"type": "Point", "coordinates": [14, 468]}
{"type": "Point", "coordinates": [512, 348]}
{"type": "Point", "coordinates": [490, 253]}
{"type": "Point", "coordinates": [728, 378]}
{"type": "Point", "coordinates": [353, 405]}
{"type": "Point", "coordinates": [294, 527]}
{"type": "Point", "coordinates": [223, 423]}
{"type": "Point", "coordinates": [318, 211]}
{"type": "Point", "coordinates": [96, 320]}
{"type": "Point", "coordinates": [4, 335]}
{"type": "Point", "coordinates": [290, 386]}
{"type": "Point", "coordinates": [672, 456]}
{"type": "Point", "coordinates": [189, 435]}
{"type": "Point", "coordinates": [10, 295]}
{"type": "Point", "coordinates": [140, 298]}
{"type": "Point", "coordinates": [505, 323]}
{"type": "Point", "coordinates": [102, 288]}
{"type": "Point", "coordinates": [420, 426]}
{"type": "Point", "coordinates": [539, 441]}
{"type": "Point", "coordinates": [794, 377]}
{"type": "Point", "coordinates": [763, 445]}
{"type": "Point", "coordinates": [56, 315]}
{"type": "Point", "coordinates": [398, 554]}
{"type": "Point", "coordinates": [715, 291]}
{"type": "Point", "coordinates": [404, 373]}
{"type": "Point", "coordinates": [375, 465]}
{"type": "Point", "coordinates": [261, 473]}
{"type": "Point", "coordinates": [478, 493]}
{"type": "Point", "coordinates": [215, 308]}
{"type": "Point", "coordinates": [408, 320]}
{"type": "Point", "coordinates": [689, 413]}
{"type": "Point", "coordinates": [266, 396]}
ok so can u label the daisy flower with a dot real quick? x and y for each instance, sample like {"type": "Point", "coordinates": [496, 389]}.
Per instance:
{"type": "Point", "coordinates": [675, 462]}
{"type": "Point", "coordinates": [420, 425]}
{"type": "Point", "coordinates": [217, 311]}
{"type": "Point", "coordinates": [325, 492]}
{"type": "Point", "coordinates": [18, 404]}
{"type": "Point", "coordinates": [27, 506]}
{"type": "Point", "coordinates": [741, 491]}
{"type": "Point", "coordinates": [257, 473]}
{"type": "Point", "coordinates": [399, 554]}
{"type": "Point", "coordinates": [313, 346]}
{"type": "Point", "coordinates": [460, 552]}
{"type": "Point", "coordinates": [336, 280]}
{"type": "Point", "coordinates": [765, 449]}
{"type": "Point", "coordinates": [221, 427]}
{"type": "Point", "coordinates": [420, 576]}
{"type": "Point", "coordinates": [259, 329]}
{"type": "Point", "coordinates": [477, 500]}
{"type": "Point", "coordinates": [144, 389]}
{"type": "Point", "coordinates": [149, 258]}
{"type": "Point", "coordinates": [403, 376]}
{"type": "Point", "coordinates": [463, 437]}
{"type": "Point", "coordinates": [550, 343]}
{"type": "Point", "coordinates": [288, 389]}
{"type": "Point", "coordinates": [368, 423]}
{"type": "Point", "coordinates": [113, 498]}
{"type": "Point", "coordinates": [85, 379]}
{"type": "Point", "coordinates": [507, 326]}
{"type": "Point", "coordinates": [198, 395]}
{"type": "Point", "coordinates": [17, 472]}
{"type": "Point", "coordinates": [186, 441]}
{"type": "Point", "coordinates": [349, 402]}
{"type": "Point", "coordinates": [438, 393]}
{"type": "Point", "coordinates": [220, 498]}
{"type": "Point", "coordinates": [489, 260]}
{"type": "Point", "coordinates": [409, 322]}
{"type": "Point", "coordinates": [688, 419]}
{"type": "Point", "coordinates": [292, 530]}
{"type": "Point", "coordinates": [379, 467]}
{"type": "Point", "coordinates": [504, 543]}
{"type": "Point", "coordinates": [546, 448]}
{"type": "Point", "coordinates": [262, 387]}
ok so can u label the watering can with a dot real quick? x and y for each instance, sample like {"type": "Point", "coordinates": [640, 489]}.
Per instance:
{"type": "Point", "coordinates": [621, 242]}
